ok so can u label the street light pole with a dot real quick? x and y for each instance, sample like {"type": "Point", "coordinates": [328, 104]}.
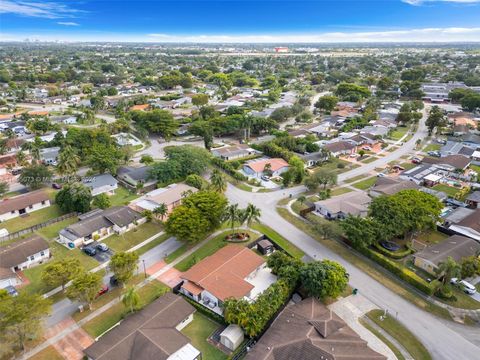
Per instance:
{"type": "Point", "coordinates": [144, 268]}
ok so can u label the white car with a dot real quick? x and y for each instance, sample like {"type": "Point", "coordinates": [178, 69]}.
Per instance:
{"type": "Point", "coordinates": [467, 287]}
{"type": "Point", "coordinates": [367, 148]}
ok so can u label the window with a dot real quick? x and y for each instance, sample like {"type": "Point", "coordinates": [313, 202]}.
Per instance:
{"type": "Point", "coordinates": [42, 253]}
{"type": "Point", "coordinates": [12, 212]}
{"type": "Point", "coordinates": [32, 257]}
{"type": "Point", "coordinates": [30, 207]}
{"type": "Point", "coordinates": [43, 202]}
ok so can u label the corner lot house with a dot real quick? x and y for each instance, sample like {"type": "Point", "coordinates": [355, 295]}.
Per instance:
{"type": "Point", "coordinates": [256, 168]}
{"type": "Point", "coordinates": [21, 255]}
{"type": "Point", "coordinates": [100, 184]}
{"type": "Point", "coordinates": [455, 246]}
{"type": "Point", "coordinates": [23, 204]}
{"type": "Point", "coordinates": [309, 330]}
{"type": "Point", "coordinates": [152, 333]}
{"type": "Point", "coordinates": [352, 203]}
{"type": "Point", "coordinates": [234, 152]}
{"type": "Point", "coordinates": [171, 196]}
{"type": "Point", "coordinates": [233, 271]}
{"type": "Point", "coordinates": [99, 224]}
{"type": "Point", "coordinates": [133, 177]}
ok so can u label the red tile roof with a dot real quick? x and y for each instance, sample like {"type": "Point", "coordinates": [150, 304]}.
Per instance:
{"type": "Point", "coordinates": [276, 164]}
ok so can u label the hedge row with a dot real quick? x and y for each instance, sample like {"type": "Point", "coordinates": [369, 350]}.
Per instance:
{"type": "Point", "coordinates": [229, 169]}
{"type": "Point", "coordinates": [391, 254]}
{"type": "Point", "coordinates": [399, 270]}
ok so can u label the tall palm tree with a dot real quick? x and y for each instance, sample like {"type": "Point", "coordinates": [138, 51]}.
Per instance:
{"type": "Point", "coordinates": [251, 214]}
{"type": "Point", "coordinates": [131, 299]}
{"type": "Point", "coordinates": [68, 161]}
{"type": "Point", "coordinates": [233, 215]}
{"type": "Point", "coordinates": [161, 210]}
{"type": "Point", "coordinates": [218, 182]}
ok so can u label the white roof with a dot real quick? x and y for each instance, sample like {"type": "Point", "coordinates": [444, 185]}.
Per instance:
{"type": "Point", "coordinates": [433, 177]}
{"type": "Point", "coordinates": [187, 352]}
{"type": "Point", "coordinates": [476, 154]}
{"type": "Point", "coordinates": [233, 332]}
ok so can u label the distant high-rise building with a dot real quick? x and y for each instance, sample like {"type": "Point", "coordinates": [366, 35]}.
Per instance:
{"type": "Point", "coordinates": [281, 49]}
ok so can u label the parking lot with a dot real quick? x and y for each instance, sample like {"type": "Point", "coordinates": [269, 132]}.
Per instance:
{"type": "Point", "coordinates": [100, 256]}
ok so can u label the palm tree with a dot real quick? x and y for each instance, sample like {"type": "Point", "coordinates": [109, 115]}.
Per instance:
{"type": "Point", "coordinates": [251, 214]}
{"type": "Point", "coordinates": [217, 181]}
{"type": "Point", "coordinates": [131, 299]}
{"type": "Point", "coordinates": [161, 210]}
{"type": "Point", "coordinates": [449, 269]}
{"type": "Point", "coordinates": [68, 161]}
{"type": "Point", "coordinates": [233, 215]}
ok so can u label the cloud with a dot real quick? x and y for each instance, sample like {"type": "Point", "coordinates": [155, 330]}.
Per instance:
{"type": "Point", "coordinates": [68, 23]}
{"type": "Point", "coordinates": [48, 10]}
{"type": "Point", "coordinates": [421, 2]}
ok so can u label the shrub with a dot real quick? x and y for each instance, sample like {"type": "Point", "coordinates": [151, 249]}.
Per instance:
{"type": "Point", "coordinates": [393, 254]}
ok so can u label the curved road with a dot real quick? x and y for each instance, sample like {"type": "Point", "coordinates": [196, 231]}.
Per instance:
{"type": "Point", "coordinates": [444, 339]}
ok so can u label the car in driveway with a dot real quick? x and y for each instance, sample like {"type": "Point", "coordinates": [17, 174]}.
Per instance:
{"type": "Point", "coordinates": [465, 285]}
{"type": "Point", "coordinates": [11, 290]}
{"type": "Point", "coordinates": [102, 291]}
{"type": "Point", "coordinates": [102, 247]}
{"type": "Point", "coordinates": [90, 251]}
{"type": "Point", "coordinates": [367, 148]}
{"type": "Point", "coordinates": [265, 178]}
{"type": "Point", "coordinates": [114, 281]}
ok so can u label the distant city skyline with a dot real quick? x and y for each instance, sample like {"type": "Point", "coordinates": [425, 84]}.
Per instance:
{"type": "Point", "coordinates": [241, 21]}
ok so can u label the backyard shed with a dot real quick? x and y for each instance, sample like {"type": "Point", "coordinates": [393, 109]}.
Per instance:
{"type": "Point", "coordinates": [231, 337]}
{"type": "Point", "coordinates": [265, 247]}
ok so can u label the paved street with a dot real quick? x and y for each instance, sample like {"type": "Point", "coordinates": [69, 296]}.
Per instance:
{"type": "Point", "coordinates": [64, 308]}
{"type": "Point", "coordinates": [444, 340]}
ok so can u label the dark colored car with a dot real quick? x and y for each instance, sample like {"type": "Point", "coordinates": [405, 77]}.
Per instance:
{"type": "Point", "coordinates": [391, 246]}
{"type": "Point", "coordinates": [89, 251]}
{"type": "Point", "coordinates": [56, 186]}
{"type": "Point", "coordinates": [114, 281]}
{"type": "Point", "coordinates": [103, 290]}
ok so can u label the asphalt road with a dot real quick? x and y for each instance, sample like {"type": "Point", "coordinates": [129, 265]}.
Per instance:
{"type": "Point", "coordinates": [444, 339]}
{"type": "Point", "coordinates": [65, 308]}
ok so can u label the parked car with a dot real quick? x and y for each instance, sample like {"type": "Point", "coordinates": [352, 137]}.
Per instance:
{"type": "Point", "coordinates": [381, 175]}
{"type": "Point", "coordinates": [367, 148]}
{"type": "Point", "coordinates": [416, 160]}
{"type": "Point", "coordinates": [56, 186]}
{"type": "Point", "coordinates": [398, 167]}
{"type": "Point", "coordinates": [265, 178]}
{"type": "Point", "coordinates": [465, 285]}
{"type": "Point", "coordinates": [102, 247]}
{"type": "Point", "coordinates": [434, 153]}
{"type": "Point", "coordinates": [90, 251]}
{"type": "Point", "coordinates": [353, 155]}
{"type": "Point", "coordinates": [391, 246]}
{"type": "Point", "coordinates": [103, 290]}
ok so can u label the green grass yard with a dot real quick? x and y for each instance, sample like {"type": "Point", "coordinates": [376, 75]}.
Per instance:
{"type": "Point", "coordinates": [122, 196]}
{"type": "Point", "coordinates": [398, 133]}
{"type": "Point", "coordinates": [449, 190]}
{"type": "Point", "coordinates": [33, 218]}
{"type": "Point", "coordinates": [340, 191]}
{"type": "Point", "coordinates": [279, 239]}
{"type": "Point", "coordinates": [432, 147]}
{"type": "Point", "coordinates": [51, 232]}
{"type": "Point", "coordinates": [395, 329]}
{"type": "Point", "coordinates": [365, 184]}
{"type": "Point", "coordinates": [133, 237]}
{"type": "Point", "coordinates": [198, 332]}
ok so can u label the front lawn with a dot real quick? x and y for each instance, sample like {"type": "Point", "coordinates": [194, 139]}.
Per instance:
{"type": "Point", "coordinates": [365, 184]}
{"type": "Point", "coordinates": [59, 252]}
{"type": "Point", "coordinates": [198, 332]}
{"type": "Point", "coordinates": [475, 168]}
{"type": "Point", "coordinates": [49, 353]}
{"type": "Point", "coordinates": [50, 232]}
{"type": "Point", "coordinates": [133, 237]}
{"type": "Point", "coordinates": [431, 237]}
{"type": "Point", "coordinates": [122, 196]}
{"type": "Point", "coordinates": [148, 293]}
{"type": "Point", "coordinates": [279, 239]}
{"type": "Point", "coordinates": [398, 133]}
{"type": "Point", "coordinates": [340, 191]}
{"type": "Point", "coordinates": [33, 218]}
{"type": "Point", "coordinates": [449, 190]}
{"type": "Point", "coordinates": [399, 332]}
{"type": "Point", "coordinates": [432, 147]}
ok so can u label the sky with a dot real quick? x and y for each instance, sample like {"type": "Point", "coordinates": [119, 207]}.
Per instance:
{"type": "Point", "coordinates": [230, 21]}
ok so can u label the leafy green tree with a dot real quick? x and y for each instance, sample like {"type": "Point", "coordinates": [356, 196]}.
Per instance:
{"type": "Point", "coordinates": [187, 224]}
{"type": "Point", "coordinates": [68, 161]}
{"type": "Point", "coordinates": [471, 102]}
{"type": "Point", "coordinates": [436, 119]}
{"type": "Point", "coordinates": [279, 260]}
{"type": "Point", "coordinates": [60, 272]}
{"type": "Point", "coordinates": [102, 201]}
{"type": "Point", "coordinates": [104, 158]}
{"type": "Point", "coordinates": [211, 205]}
{"type": "Point", "coordinates": [326, 177]}
{"type": "Point", "coordinates": [470, 266]}
{"type": "Point", "coordinates": [327, 229]}
{"type": "Point", "coordinates": [447, 270]}
{"type": "Point", "coordinates": [34, 176]}
{"type": "Point", "coordinates": [324, 279]}
{"type": "Point", "coordinates": [21, 320]}
{"type": "Point", "coordinates": [233, 215]}
{"type": "Point", "coordinates": [123, 265]}
{"type": "Point", "coordinates": [200, 99]}
{"type": "Point", "coordinates": [218, 182]}
{"type": "Point", "coordinates": [359, 231]}
{"type": "Point", "coordinates": [3, 188]}
{"type": "Point", "coordinates": [74, 197]}
{"type": "Point", "coordinates": [85, 287]}
{"type": "Point", "coordinates": [131, 299]}
{"type": "Point", "coordinates": [196, 181]}
{"type": "Point", "coordinates": [146, 159]}
{"type": "Point", "coordinates": [352, 92]}
{"type": "Point", "coordinates": [327, 103]}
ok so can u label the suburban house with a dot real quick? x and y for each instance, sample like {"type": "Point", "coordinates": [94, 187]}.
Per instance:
{"type": "Point", "coordinates": [352, 203]}
{"type": "Point", "coordinates": [20, 255]}
{"type": "Point", "coordinates": [256, 168]}
{"type": "Point", "coordinates": [234, 271]}
{"type": "Point", "coordinates": [49, 156]}
{"type": "Point", "coordinates": [136, 178]}
{"type": "Point", "coordinates": [456, 247]}
{"type": "Point", "coordinates": [314, 159]}
{"type": "Point", "coordinates": [421, 174]}
{"type": "Point", "coordinates": [341, 147]}
{"type": "Point", "coordinates": [152, 333]}
{"type": "Point", "coordinates": [171, 196]}
{"type": "Point", "coordinates": [23, 204]}
{"type": "Point", "coordinates": [468, 224]}
{"type": "Point", "coordinates": [449, 162]}
{"type": "Point", "coordinates": [473, 200]}
{"type": "Point", "coordinates": [7, 163]}
{"type": "Point", "coordinates": [391, 186]}
{"type": "Point", "coordinates": [98, 224]}
{"type": "Point", "coordinates": [309, 330]}
{"type": "Point", "coordinates": [101, 184]}
{"type": "Point", "coordinates": [234, 152]}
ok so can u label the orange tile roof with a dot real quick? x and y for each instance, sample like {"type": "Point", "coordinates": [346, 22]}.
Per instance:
{"type": "Point", "coordinates": [38, 113]}
{"type": "Point", "coordinates": [141, 107]}
{"type": "Point", "coordinates": [276, 164]}
{"type": "Point", "coordinates": [191, 287]}
{"type": "Point", "coordinates": [223, 273]}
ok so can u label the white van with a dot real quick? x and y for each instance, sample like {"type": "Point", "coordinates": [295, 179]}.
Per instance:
{"type": "Point", "coordinates": [466, 286]}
